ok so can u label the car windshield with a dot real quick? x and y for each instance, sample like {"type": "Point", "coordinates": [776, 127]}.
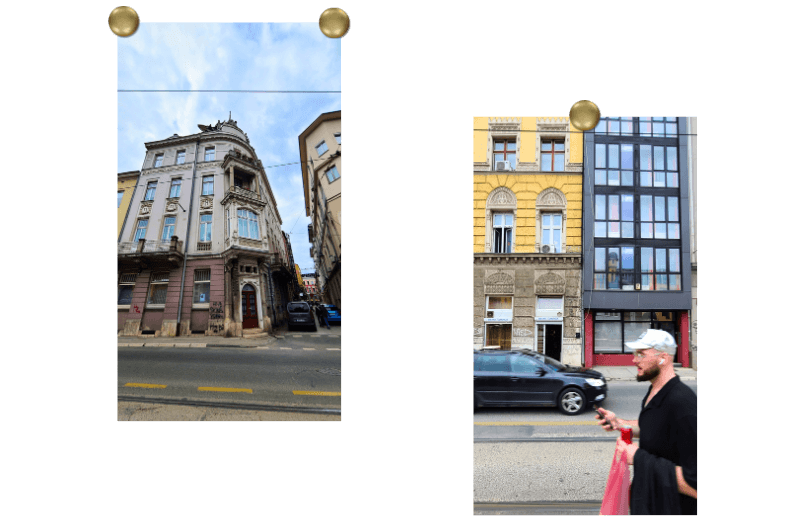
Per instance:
{"type": "Point", "coordinates": [297, 307]}
{"type": "Point", "coordinates": [550, 362]}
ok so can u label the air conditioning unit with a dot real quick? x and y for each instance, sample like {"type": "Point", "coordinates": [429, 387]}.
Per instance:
{"type": "Point", "coordinates": [546, 249]}
{"type": "Point", "coordinates": [502, 165]}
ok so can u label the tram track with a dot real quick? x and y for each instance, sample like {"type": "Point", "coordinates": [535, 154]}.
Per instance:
{"type": "Point", "coordinates": [561, 439]}
{"type": "Point", "coordinates": [538, 508]}
{"type": "Point", "coordinates": [236, 406]}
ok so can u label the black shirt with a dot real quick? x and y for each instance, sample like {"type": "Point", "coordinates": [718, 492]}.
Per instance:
{"type": "Point", "coordinates": [668, 429]}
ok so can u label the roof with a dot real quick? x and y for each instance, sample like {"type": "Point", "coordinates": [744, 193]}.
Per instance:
{"type": "Point", "coordinates": [324, 117]}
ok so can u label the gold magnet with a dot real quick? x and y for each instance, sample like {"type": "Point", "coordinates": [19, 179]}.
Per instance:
{"type": "Point", "coordinates": [334, 23]}
{"type": "Point", "coordinates": [584, 115]}
{"type": "Point", "coordinates": [124, 21]}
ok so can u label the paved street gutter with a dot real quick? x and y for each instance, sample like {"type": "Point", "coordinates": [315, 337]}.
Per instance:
{"type": "Point", "coordinates": [538, 508]}
{"type": "Point", "coordinates": [236, 406]}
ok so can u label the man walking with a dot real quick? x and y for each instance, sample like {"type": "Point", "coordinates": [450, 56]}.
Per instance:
{"type": "Point", "coordinates": [323, 315]}
{"type": "Point", "coordinates": [665, 461]}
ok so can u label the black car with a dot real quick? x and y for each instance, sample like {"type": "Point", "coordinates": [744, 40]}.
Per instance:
{"type": "Point", "coordinates": [524, 377]}
{"type": "Point", "coordinates": [300, 315]}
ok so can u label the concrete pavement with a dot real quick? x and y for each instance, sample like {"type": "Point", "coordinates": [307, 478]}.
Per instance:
{"type": "Point", "coordinates": [197, 340]}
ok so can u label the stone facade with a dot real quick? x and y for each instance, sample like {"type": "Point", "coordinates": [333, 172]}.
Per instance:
{"type": "Point", "coordinates": [525, 278]}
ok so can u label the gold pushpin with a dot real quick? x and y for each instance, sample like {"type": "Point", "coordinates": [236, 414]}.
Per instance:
{"type": "Point", "coordinates": [124, 21]}
{"type": "Point", "coordinates": [334, 23]}
{"type": "Point", "coordinates": [584, 115]}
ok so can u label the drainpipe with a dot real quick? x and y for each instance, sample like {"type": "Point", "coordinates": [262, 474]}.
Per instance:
{"type": "Point", "coordinates": [186, 244]}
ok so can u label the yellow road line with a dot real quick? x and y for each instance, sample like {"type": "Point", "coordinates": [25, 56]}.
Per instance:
{"type": "Point", "coordinates": [211, 389]}
{"type": "Point", "coordinates": [556, 423]}
{"type": "Point", "coordinates": [142, 385]}
{"type": "Point", "coordinates": [301, 392]}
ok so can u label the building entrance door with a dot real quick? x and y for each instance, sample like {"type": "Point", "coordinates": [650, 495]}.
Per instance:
{"type": "Point", "coordinates": [249, 313]}
{"type": "Point", "coordinates": [549, 339]}
{"type": "Point", "coordinates": [498, 335]}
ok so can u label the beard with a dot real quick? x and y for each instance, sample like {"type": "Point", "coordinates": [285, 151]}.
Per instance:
{"type": "Point", "coordinates": [649, 375]}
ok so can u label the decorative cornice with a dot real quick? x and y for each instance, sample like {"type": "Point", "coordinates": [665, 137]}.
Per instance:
{"type": "Point", "coordinates": [551, 259]}
{"type": "Point", "coordinates": [172, 168]}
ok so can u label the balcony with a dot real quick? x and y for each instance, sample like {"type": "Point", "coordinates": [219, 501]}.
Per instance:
{"type": "Point", "coordinates": [246, 193]}
{"type": "Point", "coordinates": [150, 253]}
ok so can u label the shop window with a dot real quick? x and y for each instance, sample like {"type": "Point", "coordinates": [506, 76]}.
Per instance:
{"type": "Point", "coordinates": [613, 329]}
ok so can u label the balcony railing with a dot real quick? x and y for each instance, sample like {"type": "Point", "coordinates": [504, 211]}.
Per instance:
{"type": "Point", "coordinates": [150, 246]}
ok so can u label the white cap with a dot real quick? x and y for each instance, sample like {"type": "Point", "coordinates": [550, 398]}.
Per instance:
{"type": "Point", "coordinates": [655, 339]}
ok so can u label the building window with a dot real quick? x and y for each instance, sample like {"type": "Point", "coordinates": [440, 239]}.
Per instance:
{"type": "Point", "coordinates": [180, 157]}
{"type": "Point", "coordinates": [338, 137]}
{"type": "Point", "coordinates": [612, 162]}
{"type": "Point", "coordinates": [660, 269]}
{"type": "Point", "coordinates": [644, 126]}
{"type": "Point", "coordinates": [503, 228]}
{"type": "Point", "coordinates": [615, 268]}
{"type": "Point", "coordinates": [333, 174]}
{"type": "Point", "coordinates": [205, 227]}
{"type": "Point", "coordinates": [248, 224]}
{"type": "Point", "coordinates": [169, 228]}
{"type": "Point", "coordinates": [158, 288]}
{"type": "Point", "coordinates": [202, 286]}
{"type": "Point", "coordinates": [551, 231]}
{"type": "Point", "coordinates": [552, 155]}
{"type": "Point", "coordinates": [208, 185]}
{"type": "Point", "coordinates": [613, 329]}
{"type": "Point", "coordinates": [659, 217]}
{"type": "Point", "coordinates": [613, 215]}
{"type": "Point", "coordinates": [504, 150]}
{"type": "Point", "coordinates": [175, 189]}
{"type": "Point", "coordinates": [150, 193]}
{"type": "Point", "coordinates": [120, 193]}
{"type": "Point", "coordinates": [126, 283]}
{"type": "Point", "coordinates": [158, 160]}
{"type": "Point", "coordinates": [322, 148]}
{"type": "Point", "coordinates": [141, 230]}
{"type": "Point", "coordinates": [209, 153]}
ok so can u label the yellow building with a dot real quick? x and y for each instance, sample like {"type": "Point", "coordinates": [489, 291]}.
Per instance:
{"type": "Point", "coordinates": [527, 199]}
{"type": "Point", "coordinates": [126, 182]}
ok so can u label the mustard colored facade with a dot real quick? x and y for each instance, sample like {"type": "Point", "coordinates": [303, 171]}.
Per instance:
{"type": "Point", "coordinates": [527, 233]}
{"type": "Point", "coordinates": [126, 182]}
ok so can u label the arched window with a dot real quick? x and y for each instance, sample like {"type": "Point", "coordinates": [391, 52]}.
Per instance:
{"type": "Point", "coordinates": [248, 224]}
{"type": "Point", "coordinates": [551, 221]}
{"type": "Point", "coordinates": [501, 209]}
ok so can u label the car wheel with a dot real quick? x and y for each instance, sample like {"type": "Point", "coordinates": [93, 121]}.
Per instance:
{"type": "Point", "coordinates": [571, 401]}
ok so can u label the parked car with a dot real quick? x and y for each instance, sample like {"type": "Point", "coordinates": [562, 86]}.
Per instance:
{"type": "Point", "coordinates": [334, 314]}
{"type": "Point", "coordinates": [524, 377]}
{"type": "Point", "coordinates": [300, 315]}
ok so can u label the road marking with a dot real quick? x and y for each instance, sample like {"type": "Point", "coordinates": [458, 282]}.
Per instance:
{"type": "Point", "coordinates": [538, 423]}
{"type": "Point", "coordinates": [302, 392]}
{"type": "Point", "coordinates": [211, 389]}
{"type": "Point", "coordinates": [309, 349]}
{"type": "Point", "coordinates": [334, 349]}
{"type": "Point", "coordinates": [142, 385]}
{"type": "Point", "coordinates": [289, 348]}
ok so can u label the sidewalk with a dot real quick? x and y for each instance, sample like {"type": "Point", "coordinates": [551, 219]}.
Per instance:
{"type": "Point", "coordinates": [628, 373]}
{"type": "Point", "coordinates": [198, 340]}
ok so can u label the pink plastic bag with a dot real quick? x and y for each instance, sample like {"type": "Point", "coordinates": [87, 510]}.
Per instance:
{"type": "Point", "coordinates": [616, 499]}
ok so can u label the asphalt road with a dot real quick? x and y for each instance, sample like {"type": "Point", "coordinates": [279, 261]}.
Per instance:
{"type": "Point", "coordinates": [300, 372]}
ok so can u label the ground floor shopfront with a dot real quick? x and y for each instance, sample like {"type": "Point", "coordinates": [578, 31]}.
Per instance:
{"type": "Point", "coordinates": [528, 301]}
{"type": "Point", "coordinates": [607, 331]}
{"type": "Point", "coordinates": [221, 296]}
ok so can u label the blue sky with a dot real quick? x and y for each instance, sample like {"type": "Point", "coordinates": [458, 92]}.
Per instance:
{"type": "Point", "coordinates": [295, 57]}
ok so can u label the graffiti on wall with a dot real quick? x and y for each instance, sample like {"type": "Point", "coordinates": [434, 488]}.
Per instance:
{"type": "Point", "coordinates": [216, 318]}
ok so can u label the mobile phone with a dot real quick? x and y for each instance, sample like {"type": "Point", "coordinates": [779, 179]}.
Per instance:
{"type": "Point", "coordinates": [602, 417]}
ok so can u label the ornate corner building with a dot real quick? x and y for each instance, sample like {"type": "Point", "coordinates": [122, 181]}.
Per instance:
{"type": "Point", "coordinates": [201, 250]}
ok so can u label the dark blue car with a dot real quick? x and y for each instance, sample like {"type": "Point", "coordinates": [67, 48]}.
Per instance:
{"type": "Point", "coordinates": [522, 377]}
